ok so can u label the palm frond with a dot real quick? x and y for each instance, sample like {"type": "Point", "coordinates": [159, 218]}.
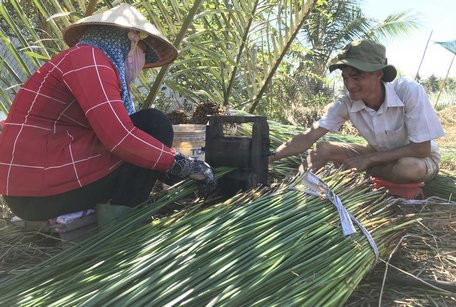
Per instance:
{"type": "Point", "coordinates": [281, 43]}
{"type": "Point", "coordinates": [163, 71]}
{"type": "Point", "coordinates": [394, 25]}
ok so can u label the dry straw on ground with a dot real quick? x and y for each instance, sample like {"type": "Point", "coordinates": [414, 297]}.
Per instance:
{"type": "Point", "coordinates": [423, 267]}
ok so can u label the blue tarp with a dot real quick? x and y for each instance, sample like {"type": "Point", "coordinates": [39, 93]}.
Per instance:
{"type": "Point", "coordinates": [450, 46]}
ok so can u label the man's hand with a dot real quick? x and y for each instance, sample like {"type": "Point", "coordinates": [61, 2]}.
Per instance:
{"type": "Point", "coordinates": [359, 163]}
{"type": "Point", "coordinates": [302, 168]}
{"type": "Point", "coordinates": [298, 144]}
{"type": "Point", "coordinates": [272, 157]}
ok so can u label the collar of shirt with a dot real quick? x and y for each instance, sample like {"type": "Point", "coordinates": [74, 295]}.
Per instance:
{"type": "Point", "coordinates": [391, 101]}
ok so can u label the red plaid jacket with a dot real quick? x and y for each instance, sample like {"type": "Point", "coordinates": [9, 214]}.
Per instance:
{"type": "Point", "coordinates": [67, 127]}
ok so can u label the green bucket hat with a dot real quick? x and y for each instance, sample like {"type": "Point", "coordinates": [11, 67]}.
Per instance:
{"type": "Point", "coordinates": [364, 55]}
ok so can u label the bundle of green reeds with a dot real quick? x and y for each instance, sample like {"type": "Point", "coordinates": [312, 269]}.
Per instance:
{"type": "Point", "coordinates": [274, 247]}
{"type": "Point", "coordinates": [443, 185]}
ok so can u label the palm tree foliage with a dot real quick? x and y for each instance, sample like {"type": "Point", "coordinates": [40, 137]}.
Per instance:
{"type": "Point", "coordinates": [340, 22]}
{"type": "Point", "coordinates": [234, 48]}
{"type": "Point", "coordinates": [230, 51]}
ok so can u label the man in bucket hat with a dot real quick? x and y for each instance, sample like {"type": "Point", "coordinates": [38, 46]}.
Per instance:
{"type": "Point", "coordinates": [394, 116]}
{"type": "Point", "coordinates": [73, 139]}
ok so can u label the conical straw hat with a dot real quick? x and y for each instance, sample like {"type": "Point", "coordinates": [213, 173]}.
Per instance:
{"type": "Point", "coordinates": [125, 16]}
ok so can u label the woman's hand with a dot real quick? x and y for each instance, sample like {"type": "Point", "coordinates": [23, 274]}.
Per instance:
{"type": "Point", "coordinates": [186, 167]}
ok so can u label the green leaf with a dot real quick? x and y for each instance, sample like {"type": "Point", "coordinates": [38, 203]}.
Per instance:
{"type": "Point", "coordinates": [36, 55]}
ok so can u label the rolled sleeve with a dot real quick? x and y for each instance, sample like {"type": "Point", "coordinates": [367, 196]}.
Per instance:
{"type": "Point", "coordinates": [335, 116]}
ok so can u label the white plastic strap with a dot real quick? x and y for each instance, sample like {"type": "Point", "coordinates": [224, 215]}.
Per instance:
{"type": "Point", "coordinates": [430, 200]}
{"type": "Point", "coordinates": [318, 188]}
{"type": "Point", "coordinates": [368, 236]}
{"type": "Point", "coordinates": [311, 181]}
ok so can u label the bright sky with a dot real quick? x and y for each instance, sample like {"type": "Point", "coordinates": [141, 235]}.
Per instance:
{"type": "Point", "coordinates": [405, 52]}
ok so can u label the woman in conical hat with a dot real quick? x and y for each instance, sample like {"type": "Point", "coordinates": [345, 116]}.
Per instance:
{"type": "Point", "coordinates": [118, 32]}
{"type": "Point", "coordinates": [72, 138]}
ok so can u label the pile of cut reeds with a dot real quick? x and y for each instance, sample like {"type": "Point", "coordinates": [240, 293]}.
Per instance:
{"type": "Point", "coordinates": [443, 185]}
{"type": "Point", "coordinates": [21, 250]}
{"type": "Point", "coordinates": [265, 246]}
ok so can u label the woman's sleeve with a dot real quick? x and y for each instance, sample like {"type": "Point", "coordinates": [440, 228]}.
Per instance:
{"type": "Point", "coordinates": [94, 82]}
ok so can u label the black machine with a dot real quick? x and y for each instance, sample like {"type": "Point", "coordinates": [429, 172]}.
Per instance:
{"type": "Point", "coordinates": [249, 155]}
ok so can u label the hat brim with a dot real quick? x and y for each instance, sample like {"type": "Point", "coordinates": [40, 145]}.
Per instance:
{"type": "Point", "coordinates": [389, 71]}
{"type": "Point", "coordinates": [165, 51]}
